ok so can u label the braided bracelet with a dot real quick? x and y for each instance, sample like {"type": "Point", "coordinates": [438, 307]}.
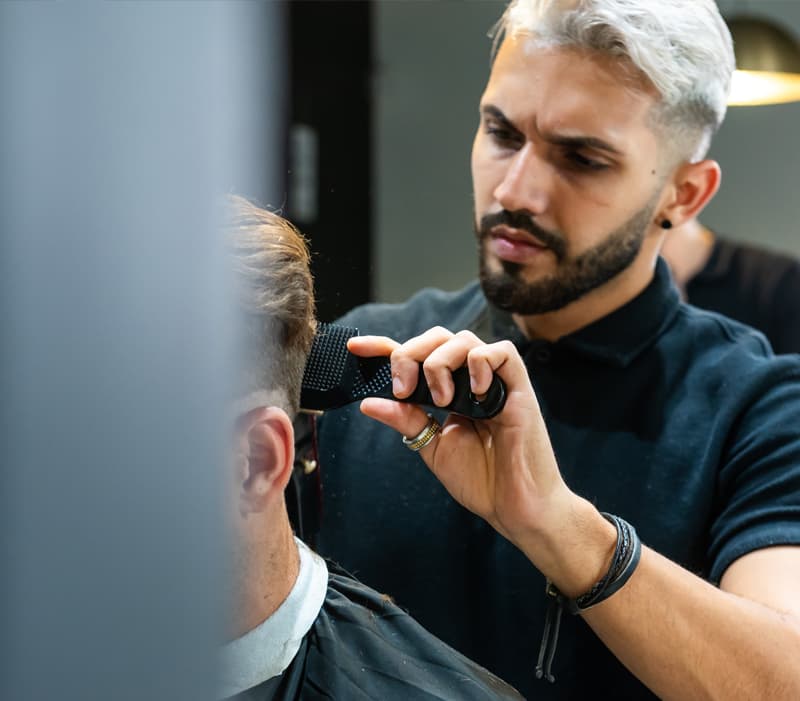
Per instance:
{"type": "Point", "coordinates": [627, 552]}
{"type": "Point", "coordinates": [626, 556]}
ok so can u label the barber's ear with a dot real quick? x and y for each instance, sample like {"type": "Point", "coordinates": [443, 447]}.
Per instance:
{"type": "Point", "coordinates": [265, 457]}
{"type": "Point", "coordinates": [693, 186]}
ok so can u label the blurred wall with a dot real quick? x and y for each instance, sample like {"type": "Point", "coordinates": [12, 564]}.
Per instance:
{"type": "Point", "coordinates": [759, 151]}
{"type": "Point", "coordinates": [121, 125]}
{"type": "Point", "coordinates": [432, 61]}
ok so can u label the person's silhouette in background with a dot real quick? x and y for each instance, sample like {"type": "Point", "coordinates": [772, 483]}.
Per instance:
{"type": "Point", "coordinates": [759, 287]}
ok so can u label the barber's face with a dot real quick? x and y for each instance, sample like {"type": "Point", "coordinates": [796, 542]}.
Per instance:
{"type": "Point", "coordinates": [565, 168]}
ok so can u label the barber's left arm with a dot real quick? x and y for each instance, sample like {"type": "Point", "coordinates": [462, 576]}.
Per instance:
{"type": "Point", "coordinates": [680, 635]}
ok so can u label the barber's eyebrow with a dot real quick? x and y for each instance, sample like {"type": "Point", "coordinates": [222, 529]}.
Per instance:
{"type": "Point", "coordinates": [573, 142]}
{"type": "Point", "coordinates": [497, 113]}
{"type": "Point", "coordinates": [581, 142]}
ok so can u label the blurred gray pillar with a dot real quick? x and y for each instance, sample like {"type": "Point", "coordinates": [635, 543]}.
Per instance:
{"type": "Point", "coordinates": [120, 125]}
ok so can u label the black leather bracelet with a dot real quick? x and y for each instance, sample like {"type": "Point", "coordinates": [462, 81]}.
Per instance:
{"type": "Point", "coordinates": [588, 599]}
{"type": "Point", "coordinates": [627, 553]}
{"type": "Point", "coordinates": [625, 574]}
{"type": "Point", "coordinates": [626, 556]}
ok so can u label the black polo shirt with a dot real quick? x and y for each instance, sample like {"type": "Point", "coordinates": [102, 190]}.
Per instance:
{"type": "Point", "coordinates": [756, 286]}
{"type": "Point", "coordinates": [679, 420]}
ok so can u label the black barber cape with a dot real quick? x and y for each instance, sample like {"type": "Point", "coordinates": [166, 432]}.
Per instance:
{"type": "Point", "coordinates": [363, 647]}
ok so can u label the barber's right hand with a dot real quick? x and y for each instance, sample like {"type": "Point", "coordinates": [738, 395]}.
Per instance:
{"type": "Point", "coordinates": [502, 469]}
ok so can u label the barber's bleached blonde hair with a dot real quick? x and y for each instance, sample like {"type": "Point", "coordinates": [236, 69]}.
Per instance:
{"type": "Point", "coordinates": [276, 299]}
{"type": "Point", "coordinates": [683, 47]}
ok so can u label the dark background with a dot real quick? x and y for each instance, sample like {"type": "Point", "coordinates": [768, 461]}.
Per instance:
{"type": "Point", "coordinates": [329, 192]}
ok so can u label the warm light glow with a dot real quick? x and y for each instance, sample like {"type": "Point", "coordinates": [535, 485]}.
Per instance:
{"type": "Point", "coordinates": [763, 88]}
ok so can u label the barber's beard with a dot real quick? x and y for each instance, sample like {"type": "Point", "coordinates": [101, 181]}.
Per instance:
{"type": "Point", "coordinates": [574, 276]}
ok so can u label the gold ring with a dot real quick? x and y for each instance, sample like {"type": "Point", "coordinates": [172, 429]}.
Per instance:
{"type": "Point", "coordinates": [425, 436]}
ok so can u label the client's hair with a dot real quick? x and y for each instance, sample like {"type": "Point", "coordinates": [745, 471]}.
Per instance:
{"type": "Point", "coordinates": [276, 299]}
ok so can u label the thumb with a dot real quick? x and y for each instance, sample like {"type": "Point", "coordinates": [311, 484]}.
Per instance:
{"type": "Point", "coordinates": [405, 418]}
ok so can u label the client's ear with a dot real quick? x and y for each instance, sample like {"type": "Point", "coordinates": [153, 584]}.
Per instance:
{"type": "Point", "coordinates": [265, 457]}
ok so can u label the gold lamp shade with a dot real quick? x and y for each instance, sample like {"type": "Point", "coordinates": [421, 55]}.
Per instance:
{"type": "Point", "coordinates": [767, 63]}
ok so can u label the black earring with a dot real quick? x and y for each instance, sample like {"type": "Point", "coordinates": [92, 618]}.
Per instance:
{"type": "Point", "coordinates": [666, 224]}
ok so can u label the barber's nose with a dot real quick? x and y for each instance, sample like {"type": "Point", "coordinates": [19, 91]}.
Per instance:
{"type": "Point", "coordinates": [523, 187]}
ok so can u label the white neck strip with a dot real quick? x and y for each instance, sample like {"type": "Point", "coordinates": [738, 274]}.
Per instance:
{"type": "Point", "coordinates": [268, 649]}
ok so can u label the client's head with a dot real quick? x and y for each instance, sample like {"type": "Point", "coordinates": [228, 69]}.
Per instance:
{"type": "Point", "coordinates": [276, 303]}
{"type": "Point", "coordinates": [275, 297]}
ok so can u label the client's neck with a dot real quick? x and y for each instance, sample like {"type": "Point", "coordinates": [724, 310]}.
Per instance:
{"type": "Point", "coordinates": [268, 570]}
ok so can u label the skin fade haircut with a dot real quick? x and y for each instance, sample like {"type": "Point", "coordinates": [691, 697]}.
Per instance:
{"type": "Point", "coordinates": [275, 295]}
{"type": "Point", "coordinates": [682, 47]}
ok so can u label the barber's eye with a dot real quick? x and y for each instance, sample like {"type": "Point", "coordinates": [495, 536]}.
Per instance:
{"type": "Point", "coordinates": [581, 162]}
{"type": "Point", "coordinates": [503, 136]}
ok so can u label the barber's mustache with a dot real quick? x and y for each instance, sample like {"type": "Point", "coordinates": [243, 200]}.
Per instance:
{"type": "Point", "coordinates": [523, 222]}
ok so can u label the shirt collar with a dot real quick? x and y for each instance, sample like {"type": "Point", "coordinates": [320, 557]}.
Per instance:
{"type": "Point", "coordinates": [268, 649]}
{"type": "Point", "coordinates": [617, 338]}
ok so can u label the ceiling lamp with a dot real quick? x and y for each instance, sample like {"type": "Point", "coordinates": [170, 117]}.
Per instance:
{"type": "Point", "coordinates": [767, 63]}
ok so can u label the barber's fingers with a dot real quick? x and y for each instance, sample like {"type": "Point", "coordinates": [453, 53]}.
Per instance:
{"type": "Point", "coordinates": [441, 352]}
{"type": "Point", "coordinates": [483, 361]}
{"type": "Point", "coordinates": [502, 359]}
{"type": "Point", "coordinates": [371, 346]}
{"type": "Point", "coordinates": [407, 357]}
{"type": "Point", "coordinates": [407, 419]}
{"type": "Point", "coordinates": [440, 363]}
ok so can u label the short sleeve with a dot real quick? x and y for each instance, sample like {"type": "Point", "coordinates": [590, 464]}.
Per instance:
{"type": "Point", "coordinates": [758, 492]}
